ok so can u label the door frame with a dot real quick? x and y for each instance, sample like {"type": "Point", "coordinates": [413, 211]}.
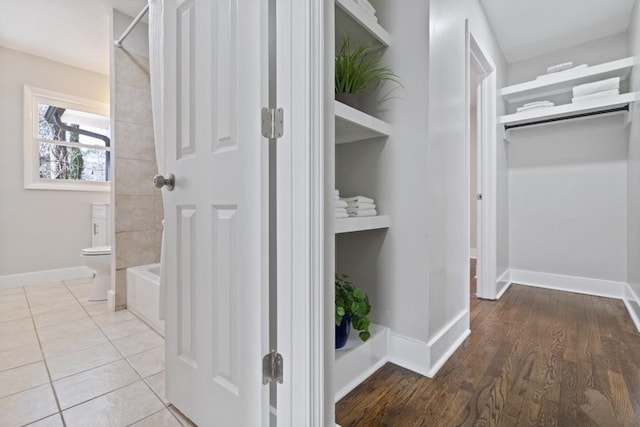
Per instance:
{"type": "Point", "coordinates": [477, 58]}
{"type": "Point", "coordinates": [300, 187]}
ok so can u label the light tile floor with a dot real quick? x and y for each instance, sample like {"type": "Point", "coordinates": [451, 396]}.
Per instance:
{"type": "Point", "coordinates": [67, 361]}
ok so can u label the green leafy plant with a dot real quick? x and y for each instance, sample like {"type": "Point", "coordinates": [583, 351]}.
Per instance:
{"type": "Point", "coordinates": [360, 67]}
{"type": "Point", "coordinates": [351, 301]}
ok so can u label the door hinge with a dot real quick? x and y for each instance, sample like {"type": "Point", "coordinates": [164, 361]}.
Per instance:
{"type": "Point", "coordinates": [272, 122]}
{"type": "Point", "coordinates": [272, 366]}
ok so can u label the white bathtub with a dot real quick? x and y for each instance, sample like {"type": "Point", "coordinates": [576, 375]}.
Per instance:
{"type": "Point", "coordinates": [143, 294]}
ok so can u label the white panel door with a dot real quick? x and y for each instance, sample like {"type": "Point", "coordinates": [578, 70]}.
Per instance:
{"type": "Point", "coordinates": [216, 269]}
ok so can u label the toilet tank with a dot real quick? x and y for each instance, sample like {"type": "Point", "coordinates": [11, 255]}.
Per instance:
{"type": "Point", "coordinates": [100, 225]}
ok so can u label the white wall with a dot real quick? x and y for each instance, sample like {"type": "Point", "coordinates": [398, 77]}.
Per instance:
{"type": "Point", "coordinates": [633, 172]}
{"type": "Point", "coordinates": [567, 183]}
{"type": "Point", "coordinates": [567, 199]}
{"type": "Point", "coordinates": [473, 181]}
{"type": "Point", "coordinates": [447, 184]}
{"type": "Point", "coordinates": [40, 229]}
{"type": "Point", "coordinates": [590, 53]}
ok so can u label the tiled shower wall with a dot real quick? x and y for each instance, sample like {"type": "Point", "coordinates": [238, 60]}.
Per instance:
{"type": "Point", "coordinates": [137, 203]}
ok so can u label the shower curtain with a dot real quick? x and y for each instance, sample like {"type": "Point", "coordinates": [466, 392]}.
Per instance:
{"type": "Point", "coordinates": [156, 65]}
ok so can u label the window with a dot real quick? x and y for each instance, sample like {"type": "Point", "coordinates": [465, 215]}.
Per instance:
{"type": "Point", "coordinates": [66, 142]}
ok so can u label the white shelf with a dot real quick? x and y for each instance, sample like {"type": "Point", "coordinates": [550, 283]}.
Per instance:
{"type": "Point", "coordinates": [564, 82]}
{"type": "Point", "coordinates": [353, 125]}
{"type": "Point", "coordinates": [568, 109]}
{"type": "Point", "coordinates": [354, 224]}
{"type": "Point", "coordinates": [358, 360]}
{"type": "Point", "coordinates": [358, 25]}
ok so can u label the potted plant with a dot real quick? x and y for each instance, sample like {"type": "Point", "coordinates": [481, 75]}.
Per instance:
{"type": "Point", "coordinates": [352, 308]}
{"type": "Point", "coordinates": [357, 69]}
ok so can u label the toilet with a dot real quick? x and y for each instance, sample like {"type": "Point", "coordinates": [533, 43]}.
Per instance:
{"type": "Point", "coordinates": [98, 256]}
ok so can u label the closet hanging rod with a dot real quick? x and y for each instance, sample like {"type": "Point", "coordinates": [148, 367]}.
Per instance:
{"type": "Point", "coordinates": [118, 43]}
{"type": "Point", "coordinates": [573, 116]}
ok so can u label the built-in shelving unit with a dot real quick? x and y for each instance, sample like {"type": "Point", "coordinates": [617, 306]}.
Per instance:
{"type": "Point", "coordinates": [353, 125]}
{"type": "Point", "coordinates": [563, 83]}
{"type": "Point", "coordinates": [358, 26]}
{"type": "Point", "coordinates": [354, 224]}
{"type": "Point", "coordinates": [357, 360]}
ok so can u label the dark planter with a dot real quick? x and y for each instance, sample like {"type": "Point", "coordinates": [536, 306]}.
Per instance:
{"type": "Point", "coordinates": [350, 99]}
{"type": "Point", "coordinates": [342, 331]}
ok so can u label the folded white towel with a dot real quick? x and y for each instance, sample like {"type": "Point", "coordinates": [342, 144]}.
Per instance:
{"type": "Point", "coordinates": [603, 94]}
{"type": "Point", "coordinates": [340, 204]}
{"type": "Point", "coordinates": [563, 72]}
{"type": "Point", "coordinates": [534, 107]}
{"type": "Point", "coordinates": [595, 87]}
{"type": "Point", "coordinates": [361, 206]}
{"type": "Point", "coordinates": [341, 215]}
{"type": "Point", "coordinates": [368, 212]}
{"type": "Point", "coordinates": [530, 104]}
{"type": "Point", "coordinates": [560, 67]}
{"type": "Point", "coordinates": [358, 199]}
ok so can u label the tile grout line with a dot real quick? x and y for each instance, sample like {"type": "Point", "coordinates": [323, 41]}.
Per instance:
{"type": "Point", "coordinates": [46, 365]}
{"type": "Point", "coordinates": [143, 379]}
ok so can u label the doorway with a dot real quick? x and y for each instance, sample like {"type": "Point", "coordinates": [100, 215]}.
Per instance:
{"type": "Point", "coordinates": [481, 91]}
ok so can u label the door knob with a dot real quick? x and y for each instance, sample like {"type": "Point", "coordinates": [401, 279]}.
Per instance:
{"type": "Point", "coordinates": [160, 181]}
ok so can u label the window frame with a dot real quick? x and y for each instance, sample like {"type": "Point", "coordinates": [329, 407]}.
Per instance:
{"type": "Point", "coordinates": [32, 180]}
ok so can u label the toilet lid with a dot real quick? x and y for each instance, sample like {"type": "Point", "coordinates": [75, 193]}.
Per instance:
{"type": "Point", "coordinates": [98, 250]}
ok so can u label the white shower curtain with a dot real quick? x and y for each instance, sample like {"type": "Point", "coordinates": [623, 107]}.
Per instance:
{"type": "Point", "coordinates": [156, 65]}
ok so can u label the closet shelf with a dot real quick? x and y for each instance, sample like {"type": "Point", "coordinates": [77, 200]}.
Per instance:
{"type": "Point", "coordinates": [358, 360]}
{"type": "Point", "coordinates": [353, 224]}
{"type": "Point", "coordinates": [353, 125]}
{"type": "Point", "coordinates": [568, 110]}
{"type": "Point", "coordinates": [357, 25]}
{"type": "Point", "coordinates": [564, 82]}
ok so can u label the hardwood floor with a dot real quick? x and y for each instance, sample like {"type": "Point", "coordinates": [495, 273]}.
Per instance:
{"type": "Point", "coordinates": [536, 357]}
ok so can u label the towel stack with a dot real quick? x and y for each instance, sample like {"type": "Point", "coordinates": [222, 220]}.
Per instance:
{"type": "Point", "coordinates": [599, 89]}
{"type": "Point", "coordinates": [535, 106]}
{"type": "Point", "coordinates": [360, 206]}
{"type": "Point", "coordinates": [565, 67]}
{"type": "Point", "coordinates": [367, 8]}
{"type": "Point", "coordinates": [340, 206]}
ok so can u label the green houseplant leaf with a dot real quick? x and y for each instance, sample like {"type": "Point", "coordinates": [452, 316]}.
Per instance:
{"type": "Point", "coordinates": [351, 301]}
{"type": "Point", "coordinates": [357, 68]}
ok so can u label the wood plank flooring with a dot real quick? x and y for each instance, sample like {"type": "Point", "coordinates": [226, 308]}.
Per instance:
{"type": "Point", "coordinates": [536, 357]}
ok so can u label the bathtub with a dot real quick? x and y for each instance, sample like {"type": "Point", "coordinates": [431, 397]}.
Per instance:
{"type": "Point", "coordinates": [143, 294]}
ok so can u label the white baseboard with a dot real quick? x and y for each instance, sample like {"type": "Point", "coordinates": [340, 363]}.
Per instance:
{"type": "Point", "coordinates": [447, 341]}
{"type": "Point", "coordinates": [46, 276]}
{"type": "Point", "coordinates": [559, 282]}
{"type": "Point", "coordinates": [503, 283]}
{"type": "Point", "coordinates": [427, 358]}
{"type": "Point", "coordinates": [632, 302]}
{"type": "Point", "coordinates": [409, 353]}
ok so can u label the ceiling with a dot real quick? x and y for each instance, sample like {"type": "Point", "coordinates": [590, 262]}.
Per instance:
{"type": "Point", "coordinates": [74, 32]}
{"type": "Point", "coordinates": [528, 28]}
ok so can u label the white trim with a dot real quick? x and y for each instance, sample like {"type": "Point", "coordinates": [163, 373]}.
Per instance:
{"type": "Point", "coordinates": [300, 91]}
{"type": "Point", "coordinates": [44, 276]}
{"type": "Point", "coordinates": [360, 378]}
{"type": "Point", "coordinates": [409, 353]}
{"type": "Point", "coordinates": [445, 342]}
{"type": "Point", "coordinates": [504, 278]}
{"type": "Point", "coordinates": [559, 282]}
{"type": "Point", "coordinates": [630, 295]}
{"type": "Point", "coordinates": [427, 358]}
{"type": "Point", "coordinates": [477, 57]}
{"type": "Point", "coordinates": [473, 253]}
